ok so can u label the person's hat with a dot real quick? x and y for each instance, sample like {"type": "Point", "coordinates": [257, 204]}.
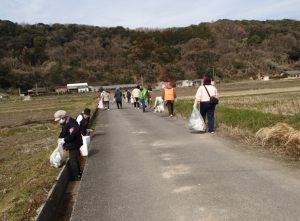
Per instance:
{"type": "Point", "coordinates": [87, 111]}
{"type": "Point", "coordinates": [59, 115]}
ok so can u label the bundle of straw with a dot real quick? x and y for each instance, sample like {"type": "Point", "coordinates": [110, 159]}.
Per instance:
{"type": "Point", "coordinates": [282, 138]}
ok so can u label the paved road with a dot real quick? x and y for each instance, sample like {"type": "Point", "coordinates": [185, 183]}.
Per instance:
{"type": "Point", "coordinates": [150, 167]}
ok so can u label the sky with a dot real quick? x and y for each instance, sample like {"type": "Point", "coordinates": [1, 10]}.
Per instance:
{"type": "Point", "coordinates": [134, 14]}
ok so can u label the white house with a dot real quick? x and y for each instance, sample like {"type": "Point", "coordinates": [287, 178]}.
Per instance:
{"type": "Point", "coordinates": [81, 87]}
{"type": "Point", "coordinates": [293, 74]}
{"type": "Point", "coordinates": [198, 82]}
{"type": "Point", "coordinates": [160, 85]}
{"type": "Point", "coordinates": [184, 83]}
{"type": "Point", "coordinates": [265, 77]}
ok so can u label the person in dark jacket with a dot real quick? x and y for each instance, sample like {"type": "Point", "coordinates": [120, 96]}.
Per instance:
{"type": "Point", "coordinates": [118, 97]}
{"type": "Point", "coordinates": [83, 120]}
{"type": "Point", "coordinates": [70, 138]}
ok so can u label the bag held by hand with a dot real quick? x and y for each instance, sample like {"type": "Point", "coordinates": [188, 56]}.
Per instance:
{"type": "Point", "coordinates": [57, 156]}
{"type": "Point", "coordinates": [196, 121]}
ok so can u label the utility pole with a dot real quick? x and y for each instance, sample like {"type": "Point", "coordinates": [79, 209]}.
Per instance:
{"type": "Point", "coordinates": [142, 81]}
{"type": "Point", "coordinates": [214, 74]}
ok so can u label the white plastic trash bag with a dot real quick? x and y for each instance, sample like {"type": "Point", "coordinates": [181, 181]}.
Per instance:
{"type": "Point", "coordinates": [131, 100]}
{"type": "Point", "coordinates": [84, 149]}
{"type": "Point", "coordinates": [196, 121]}
{"type": "Point", "coordinates": [57, 156]}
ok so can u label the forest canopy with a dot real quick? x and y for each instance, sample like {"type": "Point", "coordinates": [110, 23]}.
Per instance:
{"type": "Point", "coordinates": [56, 54]}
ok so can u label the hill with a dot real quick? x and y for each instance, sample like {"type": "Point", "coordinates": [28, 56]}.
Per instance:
{"type": "Point", "coordinates": [57, 54]}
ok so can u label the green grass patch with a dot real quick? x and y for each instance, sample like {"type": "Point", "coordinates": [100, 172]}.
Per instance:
{"type": "Point", "coordinates": [249, 120]}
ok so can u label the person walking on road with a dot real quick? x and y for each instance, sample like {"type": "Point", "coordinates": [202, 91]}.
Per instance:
{"type": "Point", "coordinates": [118, 97]}
{"type": "Point", "coordinates": [106, 98]}
{"type": "Point", "coordinates": [71, 140]}
{"type": "Point", "coordinates": [206, 108]}
{"type": "Point", "coordinates": [169, 96]}
{"type": "Point", "coordinates": [128, 95]}
{"type": "Point", "coordinates": [135, 94]}
{"type": "Point", "coordinates": [142, 98]}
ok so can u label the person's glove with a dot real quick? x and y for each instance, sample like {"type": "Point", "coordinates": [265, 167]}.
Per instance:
{"type": "Point", "coordinates": [61, 141]}
{"type": "Point", "coordinates": [176, 100]}
{"type": "Point", "coordinates": [195, 106]}
{"type": "Point", "coordinates": [162, 100]}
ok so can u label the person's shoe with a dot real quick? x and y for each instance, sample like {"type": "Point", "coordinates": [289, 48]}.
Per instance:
{"type": "Point", "coordinates": [171, 115]}
{"type": "Point", "coordinates": [138, 108]}
{"type": "Point", "coordinates": [135, 108]}
{"type": "Point", "coordinates": [107, 109]}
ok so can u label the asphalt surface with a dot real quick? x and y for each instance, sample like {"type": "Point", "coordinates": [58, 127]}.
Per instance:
{"type": "Point", "coordinates": [150, 167]}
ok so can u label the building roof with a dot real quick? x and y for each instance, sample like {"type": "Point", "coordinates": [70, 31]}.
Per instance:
{"type": "Point", "coordinates": [181, 81]}
{"type": "Point", "coordinates": [292, 72]}
{"type": "Point", "coordinates": [118, 86]}
{"type": "Point", "coordinates": [58, 87]}
{"type": "Point", "coordinates": [77, 84]}
{"type": "Point", "coordinates": [39, 89]}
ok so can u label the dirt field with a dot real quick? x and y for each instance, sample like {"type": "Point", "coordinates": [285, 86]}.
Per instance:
{"type": "Point", "coordinates": [28, 135]}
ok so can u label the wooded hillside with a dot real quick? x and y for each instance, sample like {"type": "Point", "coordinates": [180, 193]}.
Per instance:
{"type": "Point", "coordinates": [57, 54]}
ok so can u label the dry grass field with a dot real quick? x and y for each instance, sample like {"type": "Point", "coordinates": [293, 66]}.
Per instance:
{"type": "Point", "coordinates": [28, 136]}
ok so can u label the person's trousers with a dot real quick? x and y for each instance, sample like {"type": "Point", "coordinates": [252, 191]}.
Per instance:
{"type": "Point", "coordinates": [106, 104]}
{"type": "Point", "coordinates": [136, 102]}
{"type": "Point", "coordinates": [119, 104]}
{"type": "Point", "coordinates": [170, 107]}
{"type": "Point", "coordinates": [73, 157]}
{"type": "Point", "coordinates": [143, 104]}
{"type": "Point", "coordinates": [206, 109]}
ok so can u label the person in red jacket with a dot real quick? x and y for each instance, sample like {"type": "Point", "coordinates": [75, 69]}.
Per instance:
{"type": "Point", "coordinates": [169, 96]}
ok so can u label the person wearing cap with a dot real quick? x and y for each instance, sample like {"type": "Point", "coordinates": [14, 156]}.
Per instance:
{"type": "Point", "coordinates": [169, 96]}
{"type": "Point", "coordinates": [118, 97]}
{"type": "Point", "coordinates": [206, 108]}
{"type": "Point", "coordinates": [83, 120]}
{"type": "Point", "coordinates": [70, 138]}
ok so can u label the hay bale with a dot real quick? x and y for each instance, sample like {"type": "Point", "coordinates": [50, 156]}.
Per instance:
{"type": "Point", "coordinates": [282, 138]}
